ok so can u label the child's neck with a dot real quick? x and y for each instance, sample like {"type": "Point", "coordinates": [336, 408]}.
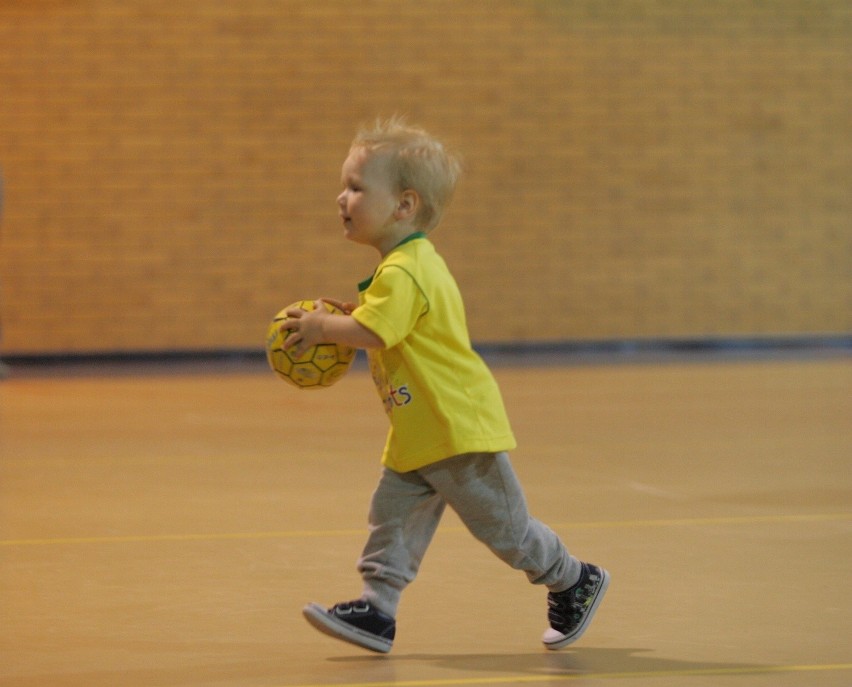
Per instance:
{"type": "Point", "coordinates": [394, 238]}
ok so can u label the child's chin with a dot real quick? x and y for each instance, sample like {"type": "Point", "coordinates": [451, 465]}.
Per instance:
{"type": "Point", "coordinates": [350, 235]}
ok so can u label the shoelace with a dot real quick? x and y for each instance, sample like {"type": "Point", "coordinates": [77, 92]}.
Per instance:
{"type": "Point", "coordinates": [575, 603]}
{"type": "Point", "coordinates": [350, 607]}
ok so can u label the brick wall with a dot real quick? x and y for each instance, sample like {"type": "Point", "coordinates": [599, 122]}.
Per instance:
{"type": "Point", "coordinates": [635, 168]}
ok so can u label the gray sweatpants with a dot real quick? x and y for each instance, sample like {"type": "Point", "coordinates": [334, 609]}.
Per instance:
{"type": "Point", "coordinates": [485, 493]}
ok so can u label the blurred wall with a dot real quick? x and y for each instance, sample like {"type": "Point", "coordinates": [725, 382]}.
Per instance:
{"type": "Point", "coordinates": [634, 168]}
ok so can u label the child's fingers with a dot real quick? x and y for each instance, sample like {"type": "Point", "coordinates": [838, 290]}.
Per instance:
{"type": "Point", "coordinates": [290, 325]}
{"type": "Point", "coordinates": [296, 343]}
{"type": "Point", "coordinates": [347, 308]}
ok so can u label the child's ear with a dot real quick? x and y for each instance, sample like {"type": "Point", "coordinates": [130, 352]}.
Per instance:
{"type": "Point", "coordinates": [409, 202]}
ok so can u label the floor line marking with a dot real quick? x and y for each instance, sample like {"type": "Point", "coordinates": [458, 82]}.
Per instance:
{"type": "Point", "coordinates": [297, 534]}
{"type": "Point", "coordinates": [721, 520]}
{"type": "Point", "coordinates": [562, 677]}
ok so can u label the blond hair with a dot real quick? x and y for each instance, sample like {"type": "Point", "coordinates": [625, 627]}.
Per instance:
{"type": "Point", "coordinates": [416, 160]}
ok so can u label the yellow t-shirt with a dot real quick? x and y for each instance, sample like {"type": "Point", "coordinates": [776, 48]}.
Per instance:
{"type": "Point", "coordinates": [441, 398]}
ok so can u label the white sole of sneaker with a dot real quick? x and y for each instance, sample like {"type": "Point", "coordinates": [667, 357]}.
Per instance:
{"type": "Point", "coordinates": [554, 640]}
{"type": "Point", "coordinates": [328, 624]}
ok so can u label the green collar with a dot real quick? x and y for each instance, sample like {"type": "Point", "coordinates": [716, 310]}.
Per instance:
{"type": "Point", "coordinates": [410, 237]}
{"type": "Point", "coordinates": [416, 235]}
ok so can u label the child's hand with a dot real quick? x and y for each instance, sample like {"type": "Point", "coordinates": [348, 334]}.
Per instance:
{"type": "Point", "coordinates": [319, 326]}
{"type": "Point", "coordinates": [305, 327]}
{"type": "Point", "coordinates": [347, 308]}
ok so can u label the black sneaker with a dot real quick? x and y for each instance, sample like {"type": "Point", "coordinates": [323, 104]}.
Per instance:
{"type": "Point", "coordinates": [356, 622]}
{"type": "Point", "coordinates": [571, 611]}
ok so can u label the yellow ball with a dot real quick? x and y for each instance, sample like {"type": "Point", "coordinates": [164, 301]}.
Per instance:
{"type": "Point", "coordinates": [320, 366]}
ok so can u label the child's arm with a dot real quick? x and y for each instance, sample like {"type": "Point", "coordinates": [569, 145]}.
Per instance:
{"type": "Point", "coordinates": [320, 326]}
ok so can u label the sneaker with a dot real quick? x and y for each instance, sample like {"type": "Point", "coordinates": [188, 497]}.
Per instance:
{"type": "Point", "coordinates": [571, 611]}
{"type": "Point", "coordinates": [356, 622]}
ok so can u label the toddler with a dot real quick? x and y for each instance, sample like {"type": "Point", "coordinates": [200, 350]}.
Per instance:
{"type": "Point", "coordinates": [449, 434]}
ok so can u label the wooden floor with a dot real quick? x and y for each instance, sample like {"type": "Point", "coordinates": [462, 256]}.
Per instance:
{"type": "Point", "coordinates": [165, 528]}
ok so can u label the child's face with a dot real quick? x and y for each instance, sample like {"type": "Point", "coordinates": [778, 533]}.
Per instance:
{"type": "Point", "coordinates": [369, 200]}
